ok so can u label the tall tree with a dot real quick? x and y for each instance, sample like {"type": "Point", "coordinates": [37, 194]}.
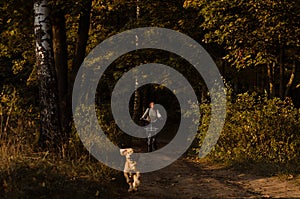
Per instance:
{"type": "Point", "coordinates": [254, 33]}
{"type": "Point", "coordinates": [83, 34]}
{"type": "Point", "coordinates": [80, 50]}
{"type": "Point", "coordinates": [50, 131]}
{"type": "Point", "coordinates": [61, 64]}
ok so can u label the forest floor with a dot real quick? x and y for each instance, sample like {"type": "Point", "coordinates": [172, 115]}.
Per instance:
{"type": "Point", "coordinates": [184, 179]}
{"type": "Point", "coordinates": [188, 179]}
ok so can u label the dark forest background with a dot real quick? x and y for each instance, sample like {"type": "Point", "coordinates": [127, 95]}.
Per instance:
{"type": "Point", "coordinates": [255, 44]}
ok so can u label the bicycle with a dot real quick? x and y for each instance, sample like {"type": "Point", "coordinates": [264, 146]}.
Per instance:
{"type": "Point", "coordinates": [151, 140]}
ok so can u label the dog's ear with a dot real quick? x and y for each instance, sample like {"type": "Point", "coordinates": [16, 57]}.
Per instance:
{"type": "Point", "coordinates": [123, 152]}
{"type": "Point", "coordinates": [130, 150]}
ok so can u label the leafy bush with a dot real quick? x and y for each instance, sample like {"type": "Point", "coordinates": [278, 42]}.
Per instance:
{"type": "Point", "coordinates": [258, 129]}
{"type": "Point", "coordinates": [17, 117]}
{"type": "Point", "coordinates": [25, 170]}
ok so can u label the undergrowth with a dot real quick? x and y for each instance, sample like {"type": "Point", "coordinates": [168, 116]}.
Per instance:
{"type": "Point", "coordinates": [258, 131]}
{"type": "Point", "coordinates": [29, 172]}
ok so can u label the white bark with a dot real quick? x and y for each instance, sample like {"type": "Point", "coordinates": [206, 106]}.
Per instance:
{"type": "Point", "coordinates": [49, 121]}
{"type": "Point", "coordinates": [42, 30]}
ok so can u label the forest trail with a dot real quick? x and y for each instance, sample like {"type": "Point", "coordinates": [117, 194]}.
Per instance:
{"type": "Point", "coordinates": [190, 179]}
{"type": "Point", "coordinates": [183, 179]}
{"type": "Point", "coordinates": [186, 179]}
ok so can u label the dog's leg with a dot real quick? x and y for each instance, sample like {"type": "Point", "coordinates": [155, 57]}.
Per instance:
{"type": "Point", "coordinates": [129, 181]}
{"type": "Point", "coordinates": [136, 181]}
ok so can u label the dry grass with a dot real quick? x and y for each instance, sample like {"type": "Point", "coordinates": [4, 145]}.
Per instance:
{"type": "Point", "coordinates": [27, 173]}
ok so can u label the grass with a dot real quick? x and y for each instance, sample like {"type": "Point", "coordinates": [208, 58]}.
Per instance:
{"type": "Point", "coordinates": [267, 168]}
{"type": "Point", "coordinates": [261, 167]}
{"type": "Point", "coordinates": [25, 173]}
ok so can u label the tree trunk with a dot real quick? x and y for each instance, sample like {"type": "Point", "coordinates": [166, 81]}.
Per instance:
{"type": "Point", "coordinates": [290, 82]}
{"type": "Point", "coordinates": [49, 116]}
{"type": "Point", "coordinates": [136, 103]}
{"type": "Point", "coordinates": [263, 79]}
{"type": "Point", "coordinates": [281, 72]}
{"type": "Point", "coordinates": [145, 101]}
{"type": "Point", "coordinates": [271, 80]}
{"type": "Point", "coordinates": [61, 66]}
{"type": "Point", "coordinates": [80, 50]}
{"type": "Point", "coordinates": [83, 33]}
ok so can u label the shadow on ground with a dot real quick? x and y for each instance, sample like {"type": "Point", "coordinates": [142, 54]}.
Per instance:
{"type": "Point", "coordinates": [50, 182]}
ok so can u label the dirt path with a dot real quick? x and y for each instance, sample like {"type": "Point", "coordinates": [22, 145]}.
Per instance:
{"type": "Point", "coordinates": [191, 179]}
{"type": "Point", "coordinates": [187, 179]}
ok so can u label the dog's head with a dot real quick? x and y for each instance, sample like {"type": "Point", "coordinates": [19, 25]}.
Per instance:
{"type": "Point", "coordinates": [126, 152]}
{"type": "Point", "coordinates": [131, 159]}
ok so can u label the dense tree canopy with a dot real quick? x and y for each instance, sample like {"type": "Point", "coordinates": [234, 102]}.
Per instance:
{"type": "Point", "coordinates": [255, 43]}
{"type": "Point", "coordinates": [255, 34]}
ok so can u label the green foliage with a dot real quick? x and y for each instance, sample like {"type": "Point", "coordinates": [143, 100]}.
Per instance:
{"type": "Point", "coordinates": [24, 170]}
{"type": "Point", "coordinates": [247, 33]}
{"type": "Point", "coordinates": [250, 31]}
{"type": "Point", "coordinates": [257, 129]}
{"type": "Point", "coordinates": [17, 50]}
{"type": "Point", "coordinates": [18, 118]}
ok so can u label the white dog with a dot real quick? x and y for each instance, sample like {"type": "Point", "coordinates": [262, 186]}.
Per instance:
{"type": "Point", "coordinates": [131, 173]}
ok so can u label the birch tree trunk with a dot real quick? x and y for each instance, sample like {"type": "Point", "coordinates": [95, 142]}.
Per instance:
{"type": "Point", "coordinates": [136, 103]}
{"type": "Point", "coordinates": [49, 120]}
